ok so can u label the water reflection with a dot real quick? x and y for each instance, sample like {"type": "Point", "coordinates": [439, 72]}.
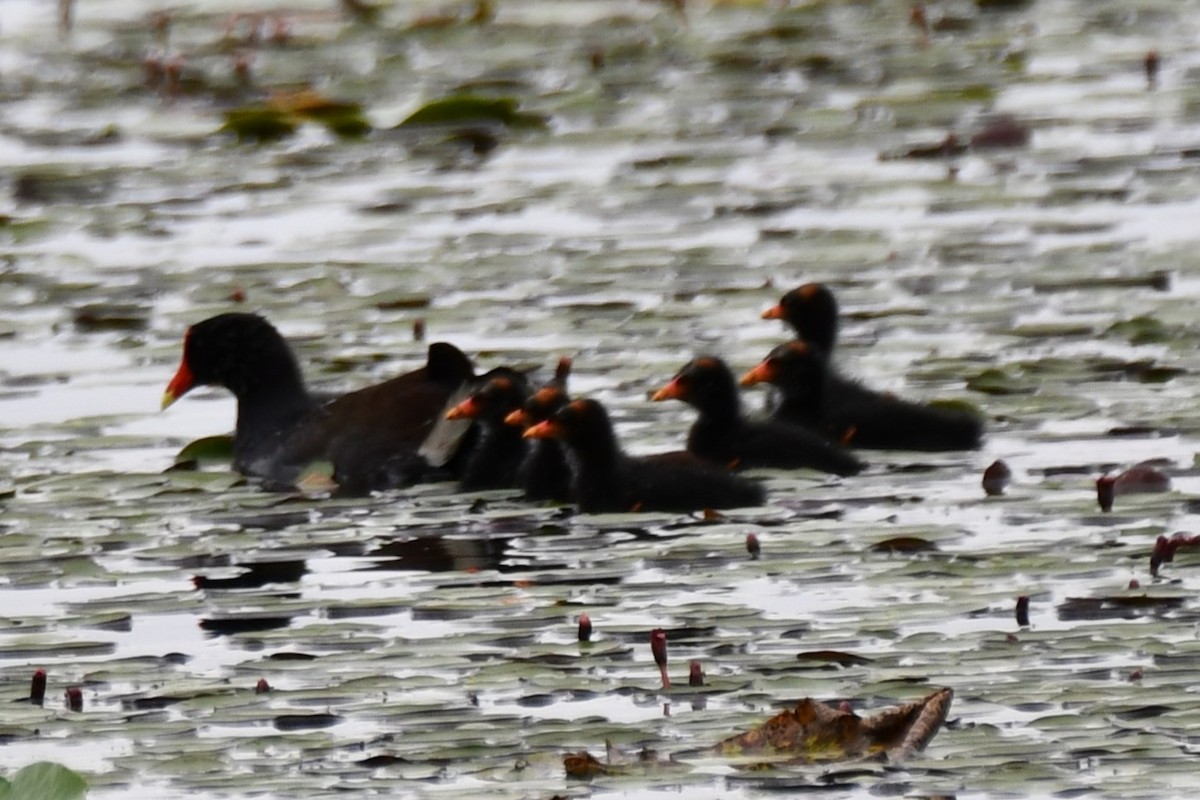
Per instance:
{"type": "Point", "coordinates": [255, 576]}
{"type": "Point", "coordinates": [441, 554]}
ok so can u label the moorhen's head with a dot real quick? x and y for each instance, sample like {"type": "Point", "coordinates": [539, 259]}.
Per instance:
{"type": "Point", "coordinates": [794, 365]}
{"type": "Point", "coordinates": [545, 402]}
{"type": "Point", "coordinates": [242, 352]}
{"type": "Point", "coordinates": [448, 365]}
{"type": "Point", "coordinates": [811, 311]}
{"type": "Point", "coordinates": [500, 395]}
{"type": "Point", "coordinates": [705, 383]}
{"type": "Point", "coordinates": [582, 424]}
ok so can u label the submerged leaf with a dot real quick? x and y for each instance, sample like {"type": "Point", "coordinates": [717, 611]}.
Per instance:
{"type": "Point", "coordinates": [284, 111]}
{"type": "Point", "coordinates": [998, 382]}
{"type": "Point", "coordinates": [1140, 330]}
{"type": "Point", "coordinates": [469, 109]}
{"type": "Point", "coordinates": [260, 125]}
{"type": "Point", "coordinates": [834, 657]}
{"type": "Point", "coordinates": [583, 765]}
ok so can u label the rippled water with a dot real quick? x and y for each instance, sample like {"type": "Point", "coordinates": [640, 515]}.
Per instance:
{"type": "Point", "coordinates": [689, 174]}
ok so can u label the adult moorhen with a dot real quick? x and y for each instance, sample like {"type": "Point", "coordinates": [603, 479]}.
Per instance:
{"type": "Point", "coordinates": [605, 478]}
{"type": "Point", "coordinates": [722, 434]}
{"type": "Point", "coordinates": [371, 436]}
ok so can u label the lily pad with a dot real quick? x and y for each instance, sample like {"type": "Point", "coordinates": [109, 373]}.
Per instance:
{"type": "Point", "coordinates": [44, 781]}
{"type": "Point", "coordinates": [469, 110]}
{"type": "Point", "coordinates": [210, 449]}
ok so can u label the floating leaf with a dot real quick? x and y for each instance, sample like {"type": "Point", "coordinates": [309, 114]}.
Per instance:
{"type": "Point", "coordinates": [207, 449]}
{"type": "Point", "coordinates": [584, 765]}
{"type": "Point", "coordinates": [997, 381]}
{"type": "Point", "coordinates": [44, 781]}
{"type": "Point", "coordinates": [833, 657]}
{"type": "Point", "coordinates": [814, 731]}
{"type": "Point", "coordinates": [1140, 330]}
{"type": "Point", "coordinates": [470, 109]}
{"type": "Point", "coordinates": [284, 111]}
{"type": "Point", "coordinates": [110, 317]}
{"type": "Point", "coordinates": [1118, 607]}
{"type": "Point", "coordinates": [904, 544]}
{"type": "Point", "coordinates": [260, 125]}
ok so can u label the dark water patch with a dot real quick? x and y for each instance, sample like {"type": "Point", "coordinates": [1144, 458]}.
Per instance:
{"type": "Point", "coordinates": [291, 656]}
{"type": "Point", "coordinates": [441, 554]}
{"type": "Point", "coordinates": [255, 575]}
{"type": "Point", "coordinates": [1132, 607]}
{"type": "Point", "coordinates": [304, 722]}
{"type": "Point", "coordinates": [230, 626]}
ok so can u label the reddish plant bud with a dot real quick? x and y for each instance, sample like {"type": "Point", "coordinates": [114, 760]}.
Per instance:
{"type": "Point", "coordinates": [1152, 63]}
{"type": "Point", "coordinates": [1134, 583]}
{"type": "Point", "coordinates": [996, 478]}
{"type": "Point", "coordinates": [1136, 675]}
{"type": "Point", "coordinates": [1163, 553]}
{"type": "Point", "coordinates": [37, 687]}
{"type": "Point", "coordinates": [74, 697]}
{"type": "Point", "coordinates": [695, 674]}
{"type": "Point", "coordinates": [262, 687]}
{"type": "Point", "coordinates": [658, 646]}
{"type": "Point", "coordinates": [752, 546]}
{"type": "Point", "coordinates": [919, 20]}
{"type": "Point", "coordinates": [152, 70]}
{"type": "Point", "coordinates": [1106, 490]}
{"type": "Point", "coordinates": [585, 628]}
{"type": "Point", "coordinates": [1023, 611]}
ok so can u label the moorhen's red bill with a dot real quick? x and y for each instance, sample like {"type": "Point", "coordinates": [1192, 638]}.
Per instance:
{"type": "Point", "coordinates": [722, 434]}
{"type": "Point", "coordinates": [607, 479]}
{"type": "Point", "coordinates": [371, 436]}
{"type": "Point", "coordinates": [861, 418]}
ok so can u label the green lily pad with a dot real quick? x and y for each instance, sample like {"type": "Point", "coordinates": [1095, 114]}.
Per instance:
{"type": "Point", "coordinates": [469, 109]}
{"type": "Point", "coordinates": [998, 381]}
{"type": "Point", "coordinates": [260, 125]}
{"type": "Point", "coordinates": [44, 781]}
{"type": "Point", "coordinates": [1140, 330]}
{"type": "Point", "coordinates": [210, 449]}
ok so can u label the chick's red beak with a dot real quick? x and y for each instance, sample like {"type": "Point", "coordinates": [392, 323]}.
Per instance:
{"type": "Point", "coordinates": [467, 409]}
{"type": "Point", "coordinates": [763, 373]}
{"type": "Point", "coordinates": [672, 391]}
{"type": "Point", "coordinates": [774, 312]}
{"type": "Point", "coordinates": [543, 430]}
{"type": "Point", "coordinates": [517, 419]}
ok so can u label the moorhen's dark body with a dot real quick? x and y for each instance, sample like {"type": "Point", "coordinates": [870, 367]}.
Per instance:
{"type": "Point", "coordinates": [722, 434]}
{"type": "Point", "coordinates": [545, 473]}
{"type": "Point", "coordinates": [495, 459]}
{"type": "Point", "coordinates": [370, 436]}
{"type": "Point", "coordinates": [858, 419]}
{"type": "Point", "coordinates": [607, 479]}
